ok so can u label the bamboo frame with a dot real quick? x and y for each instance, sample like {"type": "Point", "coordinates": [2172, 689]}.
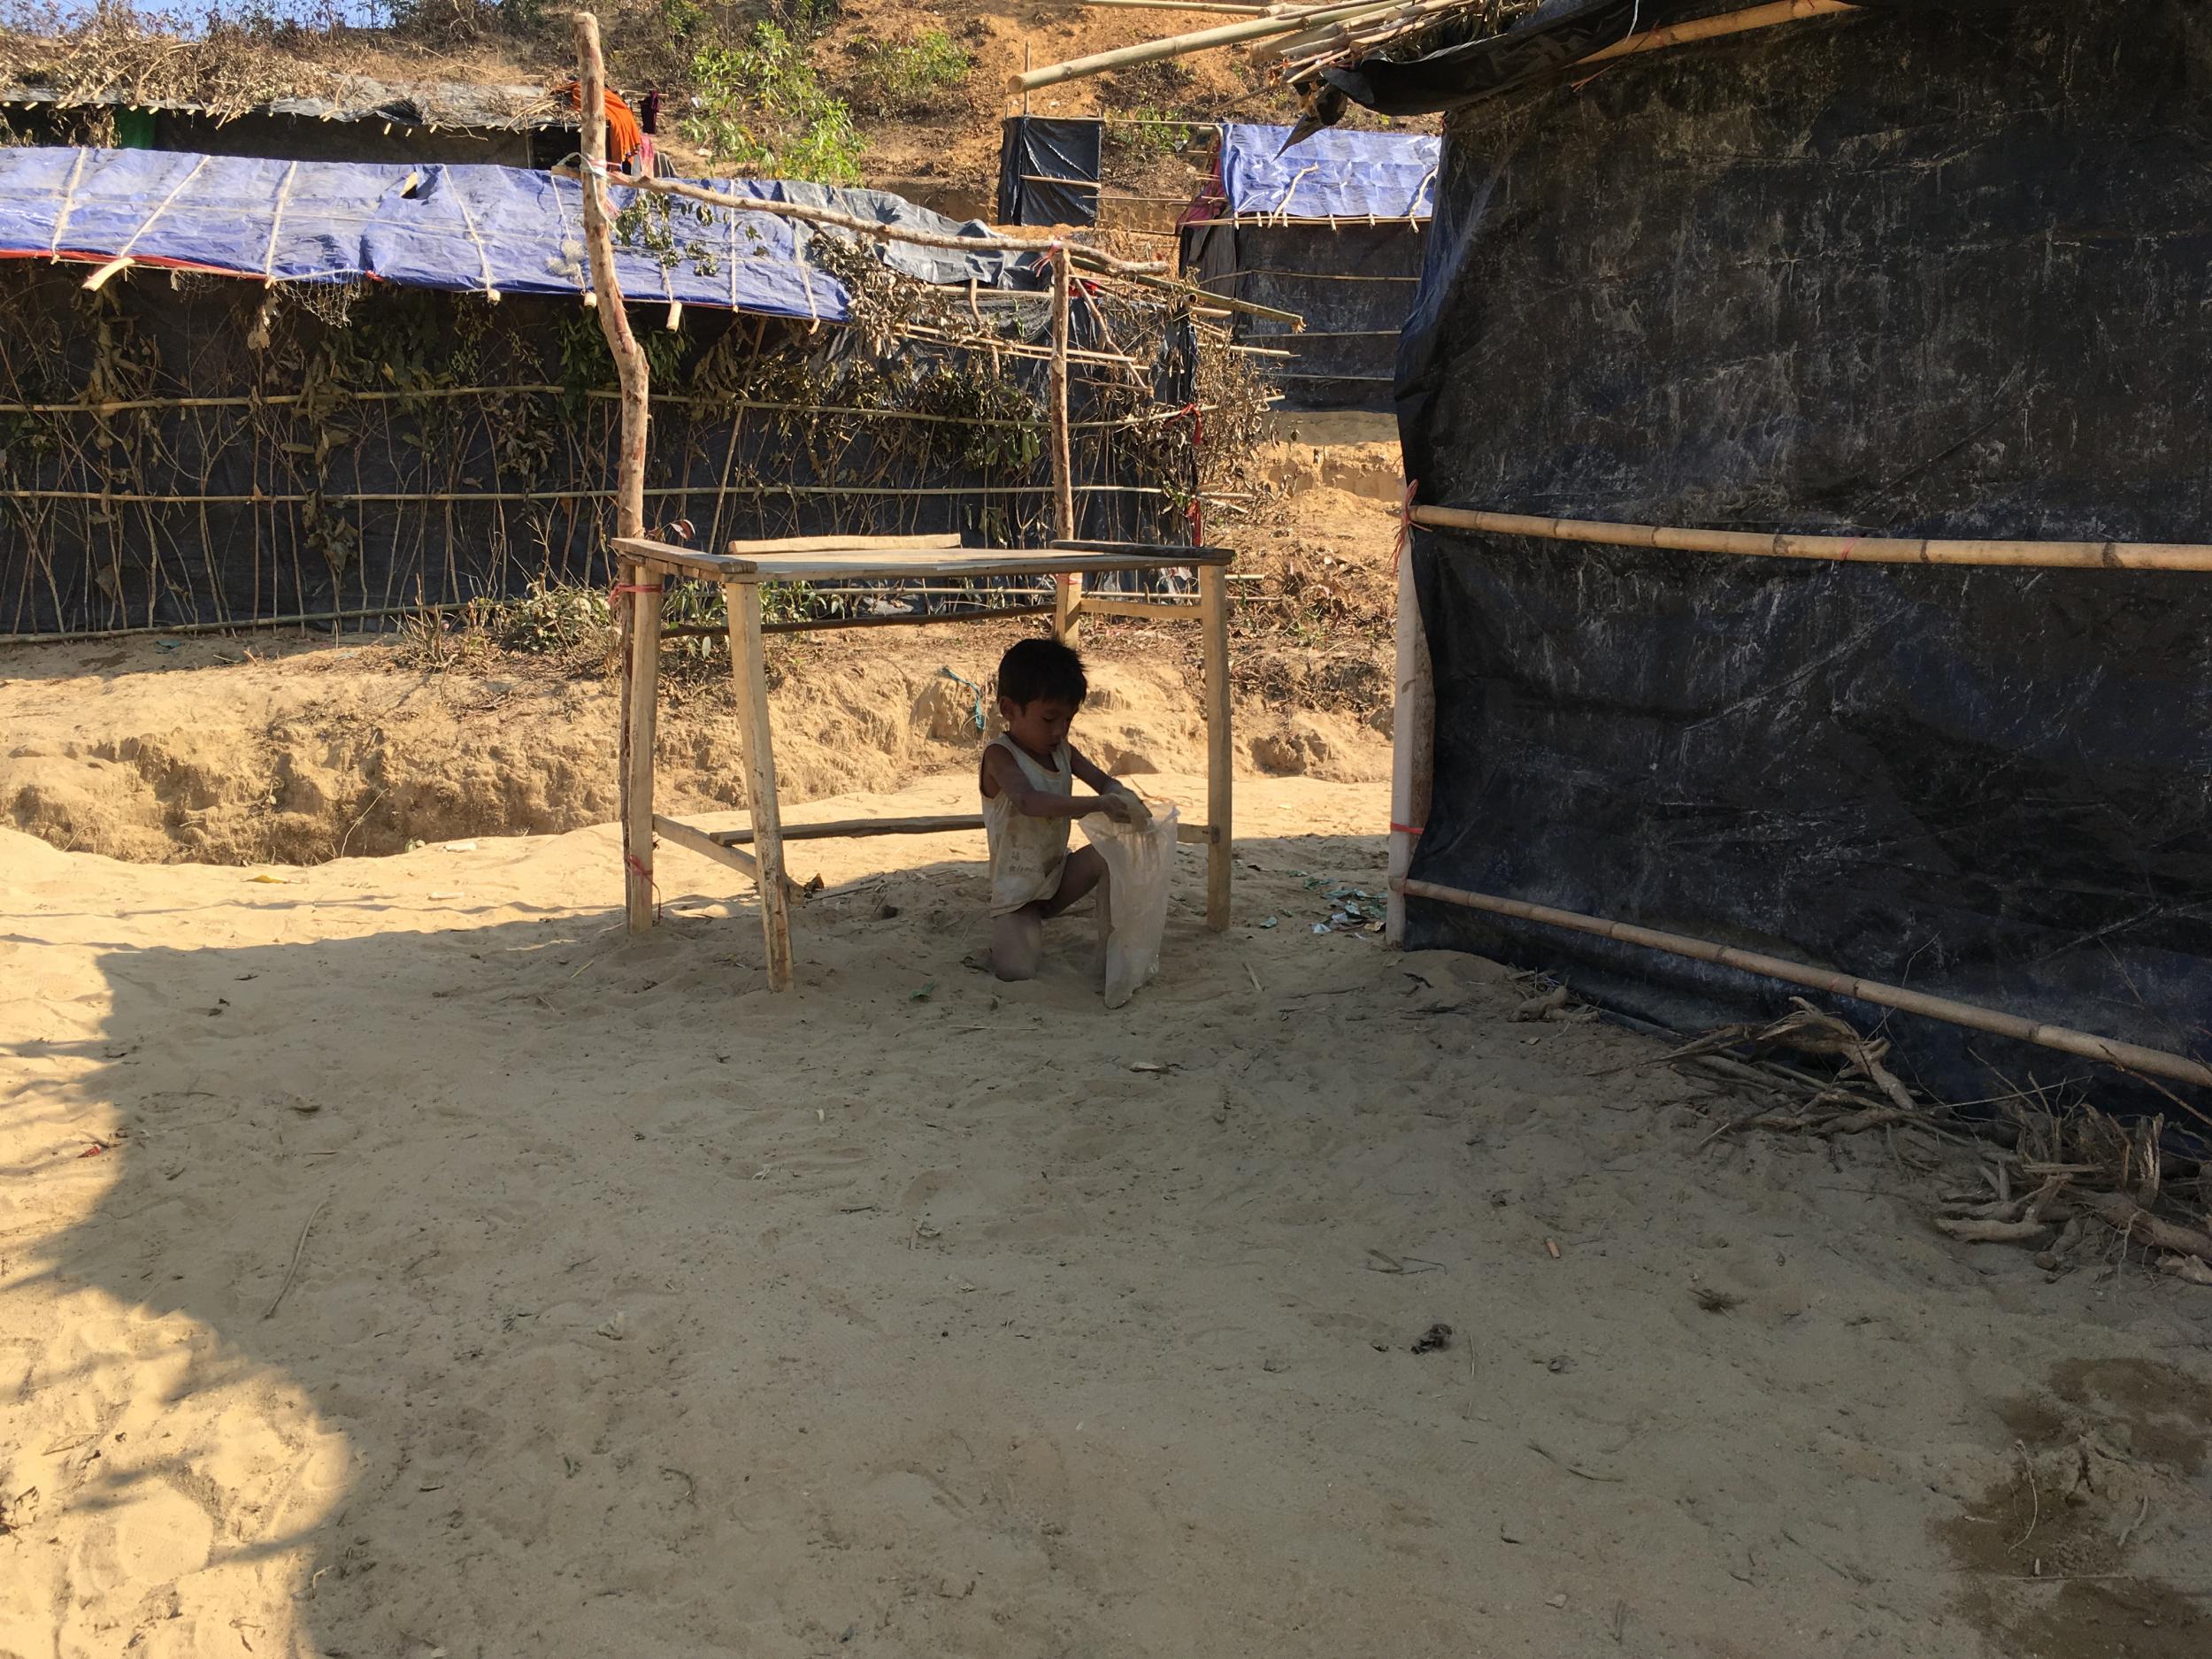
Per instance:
{"type": "Point", "coordinates": [1183, 45]}
{"type": "Point", "coordinates": [1726, 23]}
{"type": "Point", "coordinates": [914, 236]}
{"type": "Point", "coordinates": [1067, 589]}
{"type": "Point", "coordinates": [1412, 748]}
{"type": "Point", "coordinates": [1213, 599]}
{"type": "Point", "coordinates": [2127, 1057]}
{"type": "Point", "coordinates": [749, 657]}
{"type": "Point", "coordinates": [2093, 555]}
{"type": "Point", "coordinates": [741, 572]}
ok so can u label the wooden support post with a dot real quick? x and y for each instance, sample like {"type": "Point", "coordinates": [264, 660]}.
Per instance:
{"type": "Point", "coordinates": [1067, 586]}
{"type": "Point", "coordinates": [641, 639]}
{"type": "Point", "coordinates": [1412, 747]}
{"type": "Point", "coordinates": [1213, 601]}
{"type": "Point", "coordinates": [748, 658]}
{"type": "Point", "coordinates": [641, 692]}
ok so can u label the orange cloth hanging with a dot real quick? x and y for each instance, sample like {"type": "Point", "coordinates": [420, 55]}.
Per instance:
{"type": "Point", "coordinates": [624, 134]}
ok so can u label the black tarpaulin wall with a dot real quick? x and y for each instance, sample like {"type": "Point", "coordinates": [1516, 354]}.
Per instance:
{"type": "Point", "coordinates": [1353, 283]}
{"type": "Point", "coordinates": [1903, 273]}
{"type": "Point", "coordinates": [1048, 171]}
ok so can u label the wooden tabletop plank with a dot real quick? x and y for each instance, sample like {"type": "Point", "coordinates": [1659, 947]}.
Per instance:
{"type": "Point", "coordinates": [852, 560]}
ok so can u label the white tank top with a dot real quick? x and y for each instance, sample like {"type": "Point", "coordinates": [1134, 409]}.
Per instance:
{"type": "Point", "coordinates": [1027, 853]}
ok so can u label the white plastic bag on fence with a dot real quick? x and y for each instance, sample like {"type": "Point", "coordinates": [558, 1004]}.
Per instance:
{"type": "Point", "coordinates": [1139, 861]}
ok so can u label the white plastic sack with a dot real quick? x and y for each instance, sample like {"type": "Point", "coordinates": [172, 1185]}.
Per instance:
{"type": "Point", "coordinates": [1139, 861]}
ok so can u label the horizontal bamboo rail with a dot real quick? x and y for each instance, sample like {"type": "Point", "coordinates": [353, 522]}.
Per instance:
{"type": "Point", "coordinates": [2127, 1056]}
{"type": "Point", "coordinates": [674, 400]}
{"type": "Point", "coordinates": [2127, 556]}
{"type": "Point", "coordinates": [1764, 17]}
{"type": "Point", "coordinates": [1179, 6]}
{"type": "Point", "coordinates": [1183, 45]}
{"type": "Point", "coordinates": [911, 234]}
{"type": "Point", "coordinates": [825, 625]}
{"type": "Point", "coordinates": [339, 497]}
{"type": "Point", "coordinates": [949, 824]}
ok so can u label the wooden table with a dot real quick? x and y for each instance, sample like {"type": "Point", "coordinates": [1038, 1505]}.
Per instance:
{"type": "Point", "coordinates": [742, 570]}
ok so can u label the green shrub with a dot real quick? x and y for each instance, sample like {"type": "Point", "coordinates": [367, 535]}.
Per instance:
{"type": "Point", "coordinates": [761, 108]}
{"type": "Point", "coordinates": [909, 79]}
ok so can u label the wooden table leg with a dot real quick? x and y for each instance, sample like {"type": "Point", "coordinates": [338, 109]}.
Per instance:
{"type": "Point", "coordinates": [751, 662]}
{"type": "Point", "coordinates": [641, 716]}
{"type": "Point", "coordinates": [1213, 603]}
{"type": "Point", "coordinates": [1067, 608]}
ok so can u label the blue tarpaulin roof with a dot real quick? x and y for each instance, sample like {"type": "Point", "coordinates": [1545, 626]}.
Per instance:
{"type": "Point", "coordinates": [1334, 174]}
{"type": "Point", "coordinates": [469, 229]}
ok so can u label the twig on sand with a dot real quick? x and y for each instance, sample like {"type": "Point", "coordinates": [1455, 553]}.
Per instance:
{"type": "Point", "coordinates": [1573, 1468]}
{"type": "Point", "coordinates": [1257, 986]}
{"type": "Point", "coordinates": [2128, 1531]}
{"type": "Point", "coordinates": [298, 1250]}
{"type": "Point", "coordinates": [2035, 1499]}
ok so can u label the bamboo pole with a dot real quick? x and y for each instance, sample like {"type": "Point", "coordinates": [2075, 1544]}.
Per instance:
{"type": "Point", "coordinates": [641, 657]}
{"type": "Point", "coordinates": [1213, 601]}
{"type": "Point", "coordinates": [1179, 6]}
{"type": "Point", "coordinates": [1067, 588]}
{"type": "Point", "coordinates": [1412, 748]}
{"type": "Point", "coordinates": [2126, 1056]}
{"type": "Point", "coordinates": [748, 661]}
{"type": "Point", "coordinates": [1183, 45]}
{"type": "Point", "coordinates": [913, 235]}
{"type": "Point", "coordinates": [1764, 17]}
{"type": "Point", "coordinates": [2093, 555]}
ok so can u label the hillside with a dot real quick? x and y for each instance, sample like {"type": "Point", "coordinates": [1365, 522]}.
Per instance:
{"type": "Point", "coordinates": [903, 94]}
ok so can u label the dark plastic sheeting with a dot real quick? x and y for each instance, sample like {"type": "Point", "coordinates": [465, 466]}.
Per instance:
{"type": "Point", "coordinates": [1925, 274]}
{"type": "Point", "coordinates": [1468, 64]}
{"type": "Point", "coordinates": [1048, 171]}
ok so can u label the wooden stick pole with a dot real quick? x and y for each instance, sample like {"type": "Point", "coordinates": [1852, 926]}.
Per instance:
{"type": "Point", "coordinates": [1183, 45]}
{"type": "Point", "coordinates": [1213, 602]}
{"type": "Point", "coordinates": [749, 657]}
{"type": "Point", "coordinates": [1067, 586]}
{"type": "Point", "coordinates": [2127, 1056]}
{"type": "Point", "coordinates": [911, 234]}
{"type": "Point", "coordinates": [1412, 747]}
{"type": "Point", "coordinates": [2088, 556]}
{"type": "Point", "coordinates": [641, 633]}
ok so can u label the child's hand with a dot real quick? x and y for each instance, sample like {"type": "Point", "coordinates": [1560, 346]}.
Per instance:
{"type": "Point", "coordinates": [1125, 806]}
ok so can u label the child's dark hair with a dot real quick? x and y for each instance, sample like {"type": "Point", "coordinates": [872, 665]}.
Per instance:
{"type": "Point", "coordinates": [1042, 668]}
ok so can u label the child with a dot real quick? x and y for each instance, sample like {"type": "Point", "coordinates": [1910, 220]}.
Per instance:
{"type": "Point", "coordinates": [1028, 782]}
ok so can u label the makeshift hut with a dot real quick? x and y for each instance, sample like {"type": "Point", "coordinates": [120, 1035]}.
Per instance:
{"type": "Point", "coordinates": [241, 390]}
{"type": "Point", "coordinates": [359, 119]}
{"type": "Point", "coordinates": [1330, 228]}
{"type": "Point", "coordinates": [1807, 409]}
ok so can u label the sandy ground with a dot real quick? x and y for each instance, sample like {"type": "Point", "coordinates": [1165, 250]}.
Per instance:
{"type": "Point", "coordinates": [642, 1311]}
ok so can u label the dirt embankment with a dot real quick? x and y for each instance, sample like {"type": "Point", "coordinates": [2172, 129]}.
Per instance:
{"type": "Point", "coordinates": [303, 753]}
{"type": "Point", "coordinates": [269, 748]}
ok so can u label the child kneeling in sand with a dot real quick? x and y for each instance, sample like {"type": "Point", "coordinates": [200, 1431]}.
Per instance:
{"type": "Point", "coordinates": [1028, 782]}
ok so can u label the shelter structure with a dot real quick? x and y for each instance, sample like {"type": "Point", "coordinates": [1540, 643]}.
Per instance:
{"type": "Point", "coordinates": [244, 390]}
{"type": "Point", "coordinates": [455, 123]}
{"type": "Point", "coordinates": [649, 563]}
{"type": "Point", "coordinates": [1810, 543]}
{"type": "Point", "coordinates": [1330, 227]}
